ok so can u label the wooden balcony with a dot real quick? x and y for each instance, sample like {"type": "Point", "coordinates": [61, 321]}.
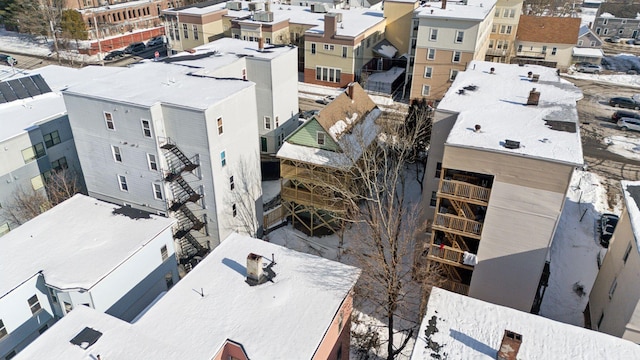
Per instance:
{"type": "Point", "coordinates": [288, 171]}
{"type": "Point", "coordinates": [447, 255]}
{"type": "Point", "coordinates": [318, 201]}
{"type": "Point", "coordinates": [455, 286]}
{"type": "Point", "coordinates": [457, 225]}
{"type": "Point", "coordinates": [460, 190]}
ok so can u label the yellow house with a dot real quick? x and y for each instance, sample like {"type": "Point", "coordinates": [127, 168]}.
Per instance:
{"type": "Point", "coordinates": [546, 40]}
{"type": "Point", "coordinates": [503, 31]}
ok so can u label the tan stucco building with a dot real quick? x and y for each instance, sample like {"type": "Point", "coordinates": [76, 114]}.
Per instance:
{"type": "Point", "coordinates": [503, 31]}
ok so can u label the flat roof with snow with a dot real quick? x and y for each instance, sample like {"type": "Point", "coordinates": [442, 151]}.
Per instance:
{"type": "Point", "coordinates": [549, 130]}
{"type": "Point", "coordinates": [631, 193]}
{"type": "Point", "coordinates": [466, 328]}
{"type": "Point", "coordinates": [285, 318]}
{"type": "Point", "coordinates": [587, 52]}
{"type": "Point", "coordinates": [476, 10]}
{"type": "Point", "coordinates": [231, 50]}
{"type": "Point", "coordinates": [75, 244]}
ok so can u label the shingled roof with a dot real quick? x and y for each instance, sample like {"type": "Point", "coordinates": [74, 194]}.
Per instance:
{"type": "Point", "coordinates": [344, 107]}
{"type": "Point", "coordinates": [547, 29]}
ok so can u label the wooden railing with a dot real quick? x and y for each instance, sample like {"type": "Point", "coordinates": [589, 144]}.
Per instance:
{"type": "Point", "coordinates": [449, 254]}
{"type": "Point", "coordinates": [274, 216]}
{"type": "Point", "coordinates": [455, 287]}
{"type": "Point", "coordinates": [305, 197]}
{"type": "Point", "coordinates": [294, 172]}
{"type": "Point", "coordinates": [460, 225]}
{"type": "Point", "coordinates": [464, 190]}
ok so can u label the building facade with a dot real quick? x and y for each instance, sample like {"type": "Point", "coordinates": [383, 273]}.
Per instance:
{"type": "Point", "coordinates": [546, 40]}
{"type": "Point", "coordinates": [503, 31]}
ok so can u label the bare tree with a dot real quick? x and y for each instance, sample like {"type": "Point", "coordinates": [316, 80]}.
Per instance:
{"type": "Point", "coordinates": [244, 190]}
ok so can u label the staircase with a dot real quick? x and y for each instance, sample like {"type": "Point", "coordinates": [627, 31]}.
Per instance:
{"type": "Point", "coordinates": [183, 194]}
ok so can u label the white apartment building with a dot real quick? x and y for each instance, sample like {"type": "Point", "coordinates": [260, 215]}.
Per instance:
{"type": "Point", "coordinates": [83, 252]}
{"type": "Point", "coordinates": [504, 144]}
{"type": "Point", "coordinates": [34, 134]}
{"type": "Point", "coordinates": [614, 301]}
{"type": "Point", "coordinates": [177, 139]}
{"type": "Point", "coordinates": [446, 36]}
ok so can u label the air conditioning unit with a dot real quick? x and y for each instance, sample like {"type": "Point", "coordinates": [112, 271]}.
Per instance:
{"type": "Point", "coordinates": [337, 15]}
{"type": "Point", "coordinates": [319, 8]}
{"type": "Point", "coordinates": [234, 5]}
{"type": "Point", "coordinates": [254, 6]}
{"type": "Point", "coordinates": [265, 16]}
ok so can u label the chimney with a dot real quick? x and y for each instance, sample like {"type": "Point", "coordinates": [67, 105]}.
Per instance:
{"type": "Point", "coordinates": [535, 77]}
{"type": "Point", "coordinates": [492, 70]}
{"type": "Point", "coordinates": [254, 269]}
{"type": "Point", "coordinates": [529, 74]}
{"type": "Point", "coordinates": [267, 6]}
{"type": "Point", "coordinates": [510, 345]}
{"type": "Point", "coordinates": [260, 44]}
{"type": "Point", "coordinates": [330, 25]}
{"type": "Point", "coordinates": [350, 90]}
{"type": "Point", "coordinates": [444, 4]}
{"type": "Point", "coordinates": [534, 97]}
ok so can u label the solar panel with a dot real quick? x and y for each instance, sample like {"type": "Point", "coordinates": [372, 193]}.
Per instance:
{"type": "Point", "coordinates": [7, 92]}
{"type": "Point", "coordinates": [41, 84]}
{"type": "Point", "coordinates": [31, 87]}
{"type": "Point", "coordinates": [18, 89]}
{"type": "Point", "coordinates": [86, 337]}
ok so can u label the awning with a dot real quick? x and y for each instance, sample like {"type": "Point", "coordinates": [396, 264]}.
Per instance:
{"type": "Point", "coordinates": [588, 52]}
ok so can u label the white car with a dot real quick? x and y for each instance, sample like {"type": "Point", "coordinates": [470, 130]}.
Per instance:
{"type": "Point", "coordinates": [588, 68]}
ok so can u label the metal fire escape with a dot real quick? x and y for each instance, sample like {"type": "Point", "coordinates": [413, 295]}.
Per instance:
{"type": "Point", "coordinates": [183, 194]}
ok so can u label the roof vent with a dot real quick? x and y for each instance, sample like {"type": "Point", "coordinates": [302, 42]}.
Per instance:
{"type": "Point", "coordinates": [510, 345]}
{"type": "Point", "coordinates": [512, 144]}
{"type": "Point", "coordinates": [535, 77]}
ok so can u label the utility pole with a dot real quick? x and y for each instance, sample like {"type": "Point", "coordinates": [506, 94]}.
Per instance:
{"type": "Point", "coordinates": [95, 23]}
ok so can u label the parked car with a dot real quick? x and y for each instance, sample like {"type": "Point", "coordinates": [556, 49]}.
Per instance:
{"type": "Point", "coordinates": [626, 123]}
{"type": "Point", "coordinates": [154, 41]}
{"type": "Point", "coordinates": [624, 114]}
{"type": "Point", "coordinates": [607, 226]}
{"type": "Point", "coordinates": [325, 100]}
{"type": "Point", "coordinates": [588, 68]}
{"type": "Point", "coordinates": [613, 39]}
{"type": "Point", "coordinates": [116, 54]}
{"type": "Point", "coordinates": [135, 47]}
{"type": "Point", "coordinates": [8, 59]}
{"type": "Point", "coordinates": [624, 102]}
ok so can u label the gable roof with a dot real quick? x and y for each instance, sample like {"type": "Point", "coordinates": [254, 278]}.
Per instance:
{"type": "Point", "coordinates": [346, 108]}
{"type": "Point", "coordinates": [547, 29]}
{"type": "Point", "coordinates": [621, 10]}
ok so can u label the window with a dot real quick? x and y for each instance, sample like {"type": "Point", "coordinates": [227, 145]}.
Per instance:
{"type": "Point", "coordinates": [456, 56]}
{"type": "Point", "coordinates": [554, 51]}
{"type": "Point", "coordinates": [34, 304]}
{"type": "Point", "coordinates": [431, 54]}
{"type": "Point", "coordinates": [433, 200]}
{"type": "Point", "coordinates": [59, 164]}
{"type": "Point", "coordinates": [497, 13]}
{"type": "Point", "coordinates": [544, 49]}
{"type": "Point", "coordinates": [620, 31]}
{"type": "Point", "coordinates": [612, 289]}
{"type": "Point", "coordinates": [433, 36]}
{"type": "Point", "coordinates": [122, 181]}
{"type": "Point", "coordinates": [320, 138]}
{"type": "Point", "coordinates": [428, 71]}
{"type": "Point", "coordinates": [231, 184]}
{"type": "Point", "coordinates": [108, 118]}
{"type": "Point", "coordinates": [328, 74]}
{"type": "Point", "coordinates": [592, 44]}
{"type": "Point", "coordinates": [153, 163]}
{"type": "Point", "coordinates": [512, 13]}
{"type": "Point", "coordinates": [117, 154]}
{"type": "Point", "coordinates": [329, 47]}
{"type": "Point", "coordinates": [505, 13]}
{"type": "Point", "coordinates": [313, 48]}
{"type": "Point", "coordinates": [234, 210]}
{"type": "Point", "coordinates": [4, 228]}
{"type": "Point", "coordinates": [494, 28]}
{"type": "Point", "coordinates": [459, 36]}
{"type": "Point", "coordinates": [519, 48]}
{"type": "Point", "coordinates": [280, 139]}
{"type": "Point", "coordinates": [506, 29]}
{"type": "Point", "coordinates": [220, 128]}
{"type": "Point", "coordinates": [453, 74]}
{"type": "Point", "coordinates": [368, 42]}
{"type": "Point", "coordinates": [624, 258]}
{"type": "Point", "coordinates": [168, 279]}
{"type": "Point", "coordinates": [36, 182]}
{"type": "Point", "coordinates": [438, 169]}
{"type": "Point", "coordinates": [195, 32]}
{"type": "Point", "coordinates": [426, 89]}
{"type": "Point", "coordinates": [491, 44]}
{"type": "Point", "coordinates": [277, 121]}
{"type": "Point", "coordinates": [263, 144]}
{"type": "Point", "coordinates": [146, 128]}
{"type": "Point", "coordinates": [223, 159]}
{"type": "Point", "coordinates": [580, 42]}
{"type": "Point", "coordinates": [3, 330]}
{"type": "Point", "coordinates": [54, 297]}
{"type": "Point", "coordinates": [344, 51]}
{"type": "Point", "coordinates": [605, 31]}
{"type": "Point", "coordinates": [185, 31]}
{"type": "Point", "coordinates": [164, 252]}
{"type": "Point", "coordinates": [157, 191]}
{"type": "Point", "coordinates": [33, 152]}
{"type": "Point", "coordinates": [43, 329]}
{"type": "Point", "coordinates": [267, 122]}
{"type": "Point", "coordinates": [267, 40]}
{"type": "Point", "coordinates": [52, 138]}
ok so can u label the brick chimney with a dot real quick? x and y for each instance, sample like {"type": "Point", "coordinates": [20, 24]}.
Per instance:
{"type": "Point", "coordinates": [534, 97]}
{"type": "Point", "coordinates": [444, 4]}
{"type": "Point", "coordinates": [260, 43]}
{"type": "Point", "coordinates": [267, 6]}
{"type": "Point", "coordinates": [254, 269]}
{"type": "Point", "coordinates": [350, 90]}
{"type": "Point", "coordinates": [510, 345]}
{"type": "Point", "coordinates": [330, 25]}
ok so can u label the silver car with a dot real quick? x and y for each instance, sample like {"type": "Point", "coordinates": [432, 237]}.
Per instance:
{"type": "Point", "coordinates": [589, 68]}
{"type": "Point", "coordinates": [627, 123]}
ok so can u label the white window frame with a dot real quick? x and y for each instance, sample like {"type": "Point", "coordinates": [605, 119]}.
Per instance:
{"type": "Point", "coordinates": [122, 183]}
{"type": "Point", "coordinates": [194, 27]}
{"type": "Point", "coordinates": [146, 130]}
{"type": "Point", "coordinates": [431, 54]}
{"type": "Point", "coordinates": [457, 54]}
{"type": "Point", "coordinates": [164, 252]}
{"type": "Point", "coordinates": [494, 28]}
{"type": "Point", "coordinates": [345, 51]}
{"type": "Point", "coordinates": [117, 153]}
{"type": "Point", "coordinates": [426, 90]}
{"type": "Point", "coordinates": [512, 13]}
{"type": "Point", "coordinates": [554, 51]}
{"type": "Point", "coordinates": [497, 13]}
{"type": "Point", "coordinates": [157, 189]}
{"type": "Point", "coordinates": [328, 74]}
{"type": "Point", "coordinates": [313, 48]}
{"type": "Point", "coordinates": [452, 74]}
{"type": "Point", "coordinates": [433, 35]}
{"type": "Point", "coordinates": [109, 121]}
{"type": "Point", "coordinates": [185, 30]}
{"type": "Point", "coordinates": [320, 138]}
{"type": "Point", "coordinates": [152, 161]}
{"type": "Point", "coordinates": [267, 122]}
{"type": "Point", "coordinates": [459, 37]}
{"type": "Point", "coordinates": [580, 42]}
{"type": "Point", "coordinates": [428, 72]}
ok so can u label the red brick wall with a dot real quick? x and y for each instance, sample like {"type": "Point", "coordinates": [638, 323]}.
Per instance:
{"type": "Point", "coordinates": [122, 41]}
{"type": "Point", "coordinates": [310, 78]}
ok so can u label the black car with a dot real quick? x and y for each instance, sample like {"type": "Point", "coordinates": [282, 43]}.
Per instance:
{"type": "Point", "coordinates": [613, 39]}
{"type": "Point", "coordinates": [8, 59]}
{"type": "Point", "coordinates": [624, 114]}
{"type": "Point", "coordinates": [155, 41]}
{"type": "Point", "coordinates": [607, 226]}
{"type": "Point", "coordinates": [135, 47]}
{"type": "Point", "coordinates": [116, 54]}
{"type": "Point", "coordinates": [624, 102]}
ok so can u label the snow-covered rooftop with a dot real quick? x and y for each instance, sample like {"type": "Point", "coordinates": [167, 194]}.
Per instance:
{"type": "Point", "coordinates": [548, 130]}
{"type": "Point", "coordinates": [631, 191]}
{"type": "Point", "coordinates": [229, 50]}
{"type": "Point", "coordinates": [74, 244]}
{"type": "Point", "coordinates": [477, 10]}
{"type": "Point", "coordinates": [587, 52]}
{"type": "Point", "coordinates": [285, 318]}
{"type": "Point", "coordinates": [466, 328]}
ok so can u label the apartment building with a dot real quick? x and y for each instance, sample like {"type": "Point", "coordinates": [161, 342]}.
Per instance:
{"type": "Point", "coordinates": [504, 144]}
{"type": "Point", "coordinates": [546, 40]}
{"type": "Point", "coordinates": [82, 253]}
{"type": "Point", "coordinates": [466, 328]}
{"type": "Point", "coordinates": [503, 31]}
{"type": "Point", "coordinates": [35, 135]}
{"type": "Point", "coordinates": [399, 15]}
{"type": "Point", "coordinates": [446, 36]}
{"type": "Point", "coordinates": [169, 138]}
{"type": "Point", "coordinates": [248, 299]}
{"type": "Point", "coordinates": [320, 153]}
{"type": "Point", "coordinates": [614, 301]}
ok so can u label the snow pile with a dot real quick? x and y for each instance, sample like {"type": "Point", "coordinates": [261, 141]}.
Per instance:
{"type": "Point", "coordinates": [629, 147]}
